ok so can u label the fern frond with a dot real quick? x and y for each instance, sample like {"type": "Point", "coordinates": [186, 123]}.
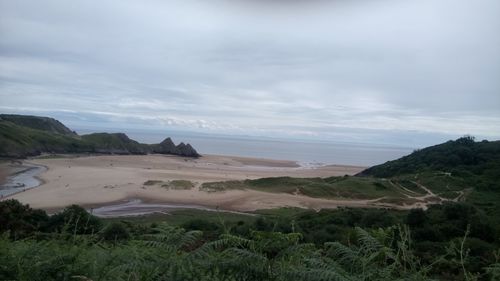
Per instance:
{"type": "Point", "coordinates": [367, 242]}
{"type": "Point", "coordinates": [343, 254]}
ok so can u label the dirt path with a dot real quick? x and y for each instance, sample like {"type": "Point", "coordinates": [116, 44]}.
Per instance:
{"type": "Point", "coordinates": [421, 201]}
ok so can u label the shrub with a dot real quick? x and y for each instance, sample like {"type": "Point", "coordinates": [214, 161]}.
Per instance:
{"type": "Point", "coordinates": [114, 232]}
{"type": "Point", "coordinates": [76, 220]}
{"type": "Point", "coordinates": [20, 219]}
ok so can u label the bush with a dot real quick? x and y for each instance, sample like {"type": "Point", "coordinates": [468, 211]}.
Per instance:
{"type": "Point", "coordinates": [114, 232]}
{"type": "Point", "coordinates": [20, 219]}
{"type": "Point", "coordinates": [76, 220]}
{"type": "Point", "coordinates": [416, 218]}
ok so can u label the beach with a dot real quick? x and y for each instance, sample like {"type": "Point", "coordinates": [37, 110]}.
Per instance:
{"type": "Point", "coordinates": [94, 181]}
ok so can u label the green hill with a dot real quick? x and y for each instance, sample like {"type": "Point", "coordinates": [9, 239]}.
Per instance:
{"type": "Point", "coordinates": [463, 170]}
{"type": "Point", "coordinates": [22, 136]}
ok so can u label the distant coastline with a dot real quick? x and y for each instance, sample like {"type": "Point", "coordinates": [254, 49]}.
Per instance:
{"type": "Point", "coordinates": [305, 153]}
{"type": "Point", "coordinates": [25, 135]}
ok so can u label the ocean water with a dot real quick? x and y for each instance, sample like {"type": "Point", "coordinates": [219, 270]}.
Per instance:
{"type": "Point", "coordinates": [306, 153]}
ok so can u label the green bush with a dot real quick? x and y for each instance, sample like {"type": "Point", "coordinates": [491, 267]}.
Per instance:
{"type": "Point", "coordinates": [75, 220]}
{"type": "Point", "coordinates": [114, 232]}
{"type": "Point", "coordinates": [20, 220]}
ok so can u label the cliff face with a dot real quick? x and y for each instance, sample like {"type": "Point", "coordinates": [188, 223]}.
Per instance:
{"type": "Point", "coordinates": [22, 136]}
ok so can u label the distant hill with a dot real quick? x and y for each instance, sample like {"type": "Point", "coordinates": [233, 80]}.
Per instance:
{"type": "Point", "coordinates": [22, 136]}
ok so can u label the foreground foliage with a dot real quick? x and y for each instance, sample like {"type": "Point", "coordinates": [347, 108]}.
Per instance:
{"type": "Point", "coordinates": [174, 254]}
{"type": "Point", "coordinates": [74, 245]}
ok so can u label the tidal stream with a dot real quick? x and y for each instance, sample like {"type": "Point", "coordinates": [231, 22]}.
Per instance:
{"type": "Point", "coordinates": [22, 180]}
{"type": "Point", "coordinates": [136, 207]}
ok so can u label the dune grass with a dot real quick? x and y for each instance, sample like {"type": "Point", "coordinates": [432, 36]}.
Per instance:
{"type": "Point", "coordinates": [173, 184]}
{"type": "Point", "coordinates": [178, 184]}
{"type": "Point", "coordinates": [333, 187]}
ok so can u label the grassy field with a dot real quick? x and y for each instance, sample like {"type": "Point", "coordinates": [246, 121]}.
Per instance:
{"type": "Point", "coordinates": [442, 183]}
{"type": "Point", "coordinates": [333, 187]}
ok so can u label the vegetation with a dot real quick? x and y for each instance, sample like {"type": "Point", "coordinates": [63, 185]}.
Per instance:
{"type": "Point", "coordinates": [152, 182]}
{"type": "Point", "coordinates": [332, 187]}
{"type": "Point", "coordinates": [19, 141]}
{"type": "Point", "coordinates": [178, 184]}
{"type": "Point", "coordinates": [468, 163]}
{"type": "Point", "coordinates": [463, 169]}
{"type": "Point", "coordinates": [447, 242]}
{"type": "Point", "coordinates": [173, 184]}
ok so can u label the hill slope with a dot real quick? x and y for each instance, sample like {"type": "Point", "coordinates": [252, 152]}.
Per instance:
{"type": "Point", "coordinates": [22, 136]}
{"type": "Point", "coordinates": [462, 169]}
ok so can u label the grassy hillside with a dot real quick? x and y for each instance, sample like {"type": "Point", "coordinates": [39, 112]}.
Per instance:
{"type": "Point", "coordinates": [463, 166]}
{"type": "Point", "coordinates": [19, 141]}
{"type": "Point", "coordinates": [39, 123]}
{"type": "Point", "coordinates": [117, 143]}
{"type": "Point", "coordinates": [22, 136]}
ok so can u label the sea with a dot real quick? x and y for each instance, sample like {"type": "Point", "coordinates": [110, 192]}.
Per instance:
{"type": "Point", "coordinates": [304, 152]}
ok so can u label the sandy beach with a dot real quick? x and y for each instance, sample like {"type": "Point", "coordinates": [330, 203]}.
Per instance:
{"type": "Point", "coordinates": [101, 180]}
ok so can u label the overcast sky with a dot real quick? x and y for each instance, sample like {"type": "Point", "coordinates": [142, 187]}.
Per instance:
{"type": "Point", "coordinates": [369, 71]}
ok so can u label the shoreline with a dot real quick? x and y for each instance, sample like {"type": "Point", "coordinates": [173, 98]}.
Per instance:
{"type": "Point", "coordinates": [22, 177]}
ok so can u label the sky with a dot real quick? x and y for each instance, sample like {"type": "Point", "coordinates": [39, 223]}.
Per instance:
{"type": "Point", "coordinates": [382, 71]}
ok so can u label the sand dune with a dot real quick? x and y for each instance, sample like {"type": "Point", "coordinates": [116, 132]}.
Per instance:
{"type": "Point", "coordinates": [99, 180]}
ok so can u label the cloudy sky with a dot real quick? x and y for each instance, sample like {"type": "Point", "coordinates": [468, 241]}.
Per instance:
{"type": "Point", "coordinates": [368, 71]}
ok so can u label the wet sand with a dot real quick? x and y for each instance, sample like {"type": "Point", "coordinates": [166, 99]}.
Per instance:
{"type": "Point", "coordinates": [8, 168]}
{"type": "Point", "coordinates": [136, 207]}
{"type": "Point", "coordinates": [101, 180]}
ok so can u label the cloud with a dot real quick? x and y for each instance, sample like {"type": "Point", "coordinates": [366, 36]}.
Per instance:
{"type": "Point", "coordinates": [315, 69]}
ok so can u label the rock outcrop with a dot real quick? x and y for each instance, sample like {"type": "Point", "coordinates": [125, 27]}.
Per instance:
{"type": "Point", "coordinates": [187, 150]}
{"type": "Point", "coordinates": [167, 146]}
